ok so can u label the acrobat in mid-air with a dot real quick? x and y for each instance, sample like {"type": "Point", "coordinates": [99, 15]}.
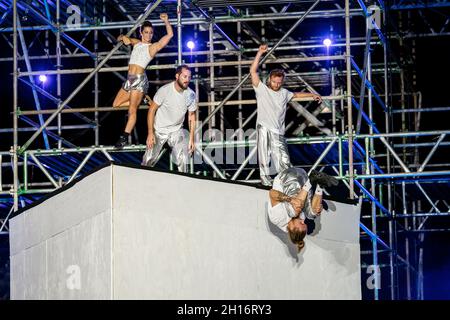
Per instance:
{"type": "Point", "coordinates": [292, 201]}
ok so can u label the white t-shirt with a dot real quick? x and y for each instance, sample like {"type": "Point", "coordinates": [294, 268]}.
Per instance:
{"type": "Point", "coordinates": [272, 107]}
{"type": "Point", "coordinates": [283, 212]}
{"type": "Point", "coordinates": [278, 215]}
{"type": "Point", "coordinates": [172, 107]}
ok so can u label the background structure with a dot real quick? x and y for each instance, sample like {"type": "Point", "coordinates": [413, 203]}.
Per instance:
{"type": "Point", "coordinates": [382, 127]}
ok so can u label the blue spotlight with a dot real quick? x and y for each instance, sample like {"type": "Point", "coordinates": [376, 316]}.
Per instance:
{"type": "Point", "coordinates": [327, 42]}
{"type": "Point", "coordinates": [190, 44]}
{"type": "Point", "coordinates": [43, 78]}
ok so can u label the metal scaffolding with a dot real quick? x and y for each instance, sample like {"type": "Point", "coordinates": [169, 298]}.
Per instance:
{"type": "Point", "coordinates": [354, 134]}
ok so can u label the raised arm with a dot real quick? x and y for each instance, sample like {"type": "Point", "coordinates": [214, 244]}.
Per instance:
{"type": "Point", "coordinates": [316, 97]}
{"type": "Point", "coordinates": [157, 46]}
{"type": "Point", "coordinates": [127, 41]}
{"type": "Point", "coordinates": [150, 124]}
{"type": "Point", "coordinates": [254, 67]}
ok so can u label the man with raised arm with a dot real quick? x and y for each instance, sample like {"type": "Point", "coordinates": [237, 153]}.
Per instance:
{"type": "Point", "coordinates": [272, 100]}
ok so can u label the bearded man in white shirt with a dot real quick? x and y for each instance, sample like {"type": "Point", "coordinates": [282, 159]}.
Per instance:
{"type": "Point", "coordinates": [165, 119]}
{"type": "Point", "coordinates": [272, 100]}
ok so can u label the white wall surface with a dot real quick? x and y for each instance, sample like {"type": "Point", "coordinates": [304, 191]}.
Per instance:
{"type": "Point", "coordinates": [140, 234]}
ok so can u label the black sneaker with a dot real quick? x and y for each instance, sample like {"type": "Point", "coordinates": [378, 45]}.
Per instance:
{"type": "Point", "coordinates": [122, 142]}
{"type": "Point", "coordinates": [322, 179]}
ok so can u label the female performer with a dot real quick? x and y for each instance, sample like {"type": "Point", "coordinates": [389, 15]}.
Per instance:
{"type": "Point", "coordinates": [136, 85]}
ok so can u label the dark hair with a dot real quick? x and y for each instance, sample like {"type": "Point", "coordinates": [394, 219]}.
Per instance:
{"type": "Point", "coordinates": [146, 24]}
{"type": "Point", "coordinates": [276, 73]}
{"type": "Point", "coordinates": [297, 235]}
{"type": "Point", "coordinates": [180, 68]}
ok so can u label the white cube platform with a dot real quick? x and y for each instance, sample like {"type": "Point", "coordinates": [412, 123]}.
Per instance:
{"type": "Point", "coordinates": [131, 233]}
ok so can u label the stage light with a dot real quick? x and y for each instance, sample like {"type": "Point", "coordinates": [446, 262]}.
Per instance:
{"type": "Point", "coordinates": [327, 42]}
{"type": "Point", "coordinates": [190, 44]}
{"type": "Point", "coordinates": [43, 78]}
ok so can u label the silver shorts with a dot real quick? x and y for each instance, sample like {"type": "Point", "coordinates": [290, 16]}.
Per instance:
{"type": "Point", "coordinates": [137, 82]}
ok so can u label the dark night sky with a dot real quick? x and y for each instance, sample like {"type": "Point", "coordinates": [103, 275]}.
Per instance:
{"type": "Point", "coordinates": [433, 67]}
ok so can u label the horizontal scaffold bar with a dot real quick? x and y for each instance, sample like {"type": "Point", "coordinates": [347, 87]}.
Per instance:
{"type": "Point", "coordinates": [200, 104]}
{"type": "Point", "coordinates": [192, 65]}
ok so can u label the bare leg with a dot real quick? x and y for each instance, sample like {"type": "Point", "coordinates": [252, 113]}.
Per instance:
{"type": "Point", "coordinates": [122, 98]}
{"type": "Point", "coordinates": [135, 99]}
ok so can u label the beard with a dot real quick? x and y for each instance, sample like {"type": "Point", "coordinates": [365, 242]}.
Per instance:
{"type": "Point", "coordinates": [182, 85]}
{"type": "Point", "coordinates": [274, 89]}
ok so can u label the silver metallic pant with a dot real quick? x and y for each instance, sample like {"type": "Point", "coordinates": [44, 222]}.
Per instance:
{"type": "Point", "coordinates": [292, 180]}
{"type": "Point", "coordinates": [137, 82]}
{"type": "Point", "coordinates": [271, 144]}
{"type": "Point", "coordinates": [178, 141]}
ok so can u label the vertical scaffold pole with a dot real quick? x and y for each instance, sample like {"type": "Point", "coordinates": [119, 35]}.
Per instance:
{"type": "Point", "coordinates": [349, 98]}
{"type": "Point", "coordinates": [15, 116]}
